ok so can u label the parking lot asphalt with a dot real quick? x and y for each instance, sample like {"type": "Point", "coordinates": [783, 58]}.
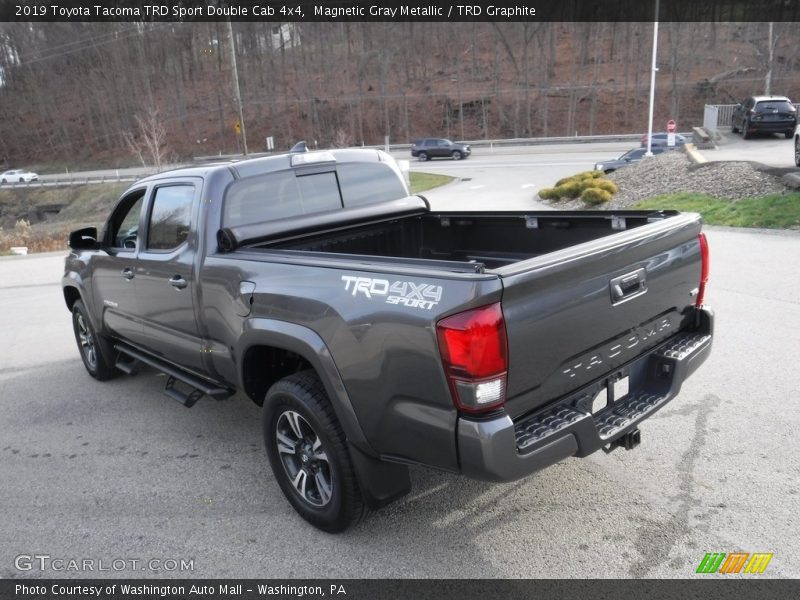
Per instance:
{"type": "Point", "coordinates": [116, 470]}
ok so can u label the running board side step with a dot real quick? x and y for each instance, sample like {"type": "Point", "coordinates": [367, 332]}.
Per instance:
{"type": "Point", "coordinates": [199, 386]}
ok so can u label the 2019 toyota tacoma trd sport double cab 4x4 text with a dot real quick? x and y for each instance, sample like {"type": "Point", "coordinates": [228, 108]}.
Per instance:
{"type": "Point", "coordinates": [377, 333]}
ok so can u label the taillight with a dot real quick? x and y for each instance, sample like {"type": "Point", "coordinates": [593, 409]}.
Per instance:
{"type": "Point", "coordinates": [701, 290]}
{"type": "Point", "coordinates": [474, 353]}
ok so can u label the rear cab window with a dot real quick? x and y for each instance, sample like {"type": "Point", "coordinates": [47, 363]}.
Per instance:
{"type": "Point", "coordinates": [290, 193]}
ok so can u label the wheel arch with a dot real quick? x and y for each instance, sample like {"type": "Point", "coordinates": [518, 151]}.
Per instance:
{"type": "Point", "coordinates": [71, 295]}
{"type": "Point", "coordinates": [270, 350]}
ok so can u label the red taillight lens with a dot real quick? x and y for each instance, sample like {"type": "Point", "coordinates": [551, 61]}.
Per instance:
{"type": "Point", "coordinates": [474, 352]}
{"type": "Point", "coordinates": [701, 290]}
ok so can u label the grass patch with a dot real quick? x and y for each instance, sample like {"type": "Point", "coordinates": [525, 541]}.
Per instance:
{"type": "Point", "coordinates": [85, 206]}
{"type": "Point", "coordinates": [769, 212]}
{"type": "Point", "coordinates": [421, 182]}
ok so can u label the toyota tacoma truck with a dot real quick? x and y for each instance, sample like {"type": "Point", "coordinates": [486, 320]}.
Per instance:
{"type": "Point", "coordinates": [377, 333]}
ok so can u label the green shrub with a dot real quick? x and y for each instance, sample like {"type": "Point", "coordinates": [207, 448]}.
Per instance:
{"type": "Point", "coordinates": [571, 189]}
{"type": "Point", "coordinates": [582, 176]}
{"type": "Point", "coordinates": [595, 196]}
{"type": "Point", "coordinates": [605, 184]}
{"type": "Point", "coordinates": [575, 185]}
{"type": "Point", "coordinates": [548, 194]}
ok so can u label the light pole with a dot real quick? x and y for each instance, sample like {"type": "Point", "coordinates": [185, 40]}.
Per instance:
{"type": "Point", "coordinates": [237, 93]}
{"type": "Point", "coordinates": [652, 86]}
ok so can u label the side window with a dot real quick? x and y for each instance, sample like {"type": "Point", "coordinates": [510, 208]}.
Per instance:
{"type": "Point", "coordinates": [170, 217]}
{"type": "Point", "coordinates": [123, 226]}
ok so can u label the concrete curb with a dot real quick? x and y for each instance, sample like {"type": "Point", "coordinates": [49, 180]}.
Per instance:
{"type": "Point", "coordinates": [694, 154]}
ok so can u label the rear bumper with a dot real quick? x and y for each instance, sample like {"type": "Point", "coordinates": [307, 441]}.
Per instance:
{"type": "Point", "coordinates": [772, 126]}
{"type": "Point", "coordinates": [500, 449]}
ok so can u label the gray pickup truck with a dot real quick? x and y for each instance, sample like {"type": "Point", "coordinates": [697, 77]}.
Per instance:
{"type": "Point", "coordinates": [377, 333]}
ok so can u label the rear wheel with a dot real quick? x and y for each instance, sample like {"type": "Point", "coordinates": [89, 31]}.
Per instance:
{"type": "Point", "coordinates": [456, 154]}
{"type": "Point", "coordinates": [734, 128]}
{"type": "Point", "coordinates": [788, 134]}
{"type": "Point", "coordinates": [746, 129]}
{"type": "Point", "coordinates": [307, 450]}
{"type": "Point", "coordinates": [94, 349]}
{"type": "Point", "coordinates": [423, 156]}
{"type": "Point", "coordinates": [797, 151]}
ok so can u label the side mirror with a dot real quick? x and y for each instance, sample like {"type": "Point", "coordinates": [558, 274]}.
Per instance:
{"type": "Point", "coordinates": [83, 239]}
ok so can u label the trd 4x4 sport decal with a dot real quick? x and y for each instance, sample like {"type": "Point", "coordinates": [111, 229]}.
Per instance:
{"type": "Point", "coordinates": [407, 293]}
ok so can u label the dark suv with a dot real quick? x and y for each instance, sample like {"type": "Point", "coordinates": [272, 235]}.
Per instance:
{"type": "Point", "coordinates": [769, 114]}
{"type": "Point", "coordinates": [428, 148]}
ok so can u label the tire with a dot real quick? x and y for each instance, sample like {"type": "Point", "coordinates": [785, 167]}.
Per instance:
{"type": "Point", "coordinates": [734, 128]}
{"type": "Point", "coordinates": [308, 453]}
{"type": "Point", "coordinates": [4, 180]}
{"type": "Point", "coordinates": [456, 154]}
{"type": "Point", "coordinates": [788, 134]}
{"type": "Point", "coordinates": [797, 151]}
{"type": "Point", "coordinates": [22, 180]}
{"type": "Point", "coordinates": [423, 156]}
{"type": "Point", "coordinates": [745, 129]}
{"type": "Point", "coordinates": [95, 350]}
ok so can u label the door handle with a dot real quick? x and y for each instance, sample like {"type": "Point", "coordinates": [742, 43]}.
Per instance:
{"type": "Point", "coordinates": [178, 282]}
{"type": "Point", "coordinates": [127, 273]}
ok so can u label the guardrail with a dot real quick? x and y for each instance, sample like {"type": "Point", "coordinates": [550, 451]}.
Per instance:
{"type": "Point", "coordinates": [57, 181]}
{"type": "Point", "coordinates": [500, 143]}
{"type": "Point", "coordinates": [52, 181]}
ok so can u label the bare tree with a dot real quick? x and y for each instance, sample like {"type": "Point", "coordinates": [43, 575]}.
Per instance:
{"type": "Point", "coordinates": [149, 139]}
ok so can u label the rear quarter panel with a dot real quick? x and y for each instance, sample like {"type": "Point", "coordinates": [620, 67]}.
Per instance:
{"type": "Point", "coordinates": [386, 353]}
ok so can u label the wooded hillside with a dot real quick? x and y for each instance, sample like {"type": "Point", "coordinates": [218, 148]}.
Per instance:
{"type": "Point", "coordinates": [73, 91]}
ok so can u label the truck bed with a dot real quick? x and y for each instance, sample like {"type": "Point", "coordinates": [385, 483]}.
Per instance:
{"type": "Point", "coordinates": [492, 240]}
{"type": "Point", "coordinates": [558, 272]}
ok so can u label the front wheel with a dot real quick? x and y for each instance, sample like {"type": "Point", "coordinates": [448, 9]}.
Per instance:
{"type": "Point", "coordinates": [788, 134]}
{"type": "Point", "coordinates": [456, 155]}
{"type": "Point", "coordinates": [797, 151]}
{"type": "Point", "coordinates": [308, 453]}
{"type": "Point", "coordinates": [734, 128]}
{"type": "Point", "coordinates": [93, 347]}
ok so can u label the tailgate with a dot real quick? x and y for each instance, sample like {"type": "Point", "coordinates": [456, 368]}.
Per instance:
{"type": "Point", "coordinates": [575, 315]}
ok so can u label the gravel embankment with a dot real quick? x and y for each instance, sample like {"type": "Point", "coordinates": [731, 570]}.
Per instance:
{"type": "Point", "coordinates": [675, 172]}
